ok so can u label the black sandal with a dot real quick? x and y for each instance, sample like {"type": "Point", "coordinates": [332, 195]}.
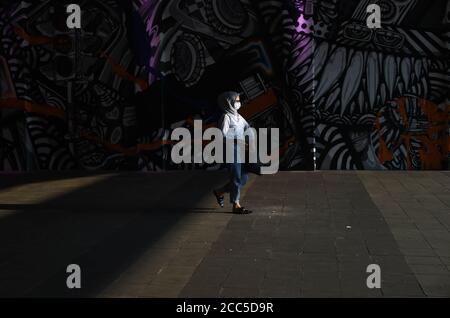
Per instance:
{"type": "Point", "coordinates": [241, 210]}
{"type": "Point", "coordinates": [220, 199]}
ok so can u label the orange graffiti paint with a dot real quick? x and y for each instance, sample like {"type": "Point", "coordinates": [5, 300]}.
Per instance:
{"type": "Point", "coordinates": [32, 107]}
{"type": "Point", "coordinates": [123, 73]}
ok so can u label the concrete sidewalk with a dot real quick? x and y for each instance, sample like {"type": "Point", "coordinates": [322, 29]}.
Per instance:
{"type": "Point", "coordinates": [312, 234]}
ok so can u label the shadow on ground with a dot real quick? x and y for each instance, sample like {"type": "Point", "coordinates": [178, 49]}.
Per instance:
{"type": "Point", "coordinates": [102, 226]}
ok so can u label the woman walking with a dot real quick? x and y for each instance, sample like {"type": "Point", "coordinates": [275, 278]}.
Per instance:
{"type": "Point", "coordinates": [233, 127]}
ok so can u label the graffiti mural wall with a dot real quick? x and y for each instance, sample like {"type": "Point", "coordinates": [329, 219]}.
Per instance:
{"type": "Point", "coordinates": [199, 49]}
{"type": "Point", "coordinates": [380, 95]}
{"type": "Point", "coordinates": [68, 106]}
{"type": "Point", "coordinates": [108, 96]}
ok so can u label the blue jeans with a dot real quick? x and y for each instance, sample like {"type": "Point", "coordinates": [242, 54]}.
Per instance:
{"type": "Point", "coordinates": [238, 177]}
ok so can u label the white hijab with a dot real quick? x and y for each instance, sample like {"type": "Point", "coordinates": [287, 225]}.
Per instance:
{"type": "Point", "coordinates": [227, 102]}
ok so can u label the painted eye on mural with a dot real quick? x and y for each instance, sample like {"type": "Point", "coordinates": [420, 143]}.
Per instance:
{"type": "Point", "coordinates": [188, 59]}
{"type": "Point", "coordinates": [358, 32]}
{"type": "Point", "coordinates": [227, 16]}
{"type": "Point", "coordinates": [389, 39]}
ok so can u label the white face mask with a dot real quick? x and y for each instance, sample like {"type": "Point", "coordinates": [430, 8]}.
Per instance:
{"type": "Point", "coordinates": [237, 105]}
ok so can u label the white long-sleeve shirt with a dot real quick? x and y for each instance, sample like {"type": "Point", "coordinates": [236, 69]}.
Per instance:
{"type": "Point", "coordinates": [237, 128]}
{"type": "Point", "coordinates": [234, 127]}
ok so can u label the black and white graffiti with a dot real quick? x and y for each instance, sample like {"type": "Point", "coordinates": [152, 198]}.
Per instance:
{"type": "Point", "coordinates": [349, 73]}
{"type": "Point", "coordinates": [108, 95]}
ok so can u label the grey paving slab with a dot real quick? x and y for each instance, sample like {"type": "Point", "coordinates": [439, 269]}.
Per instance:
{"type": "Point", "coordinates": [422, 234]}
{"type": "Point", "coordinates": [312, 234]}
{"type": "Point", "coordinates": [321, 249]}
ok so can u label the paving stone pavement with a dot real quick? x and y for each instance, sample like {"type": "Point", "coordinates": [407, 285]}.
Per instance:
{"type": "Point", "coordinates": [312, 234]}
